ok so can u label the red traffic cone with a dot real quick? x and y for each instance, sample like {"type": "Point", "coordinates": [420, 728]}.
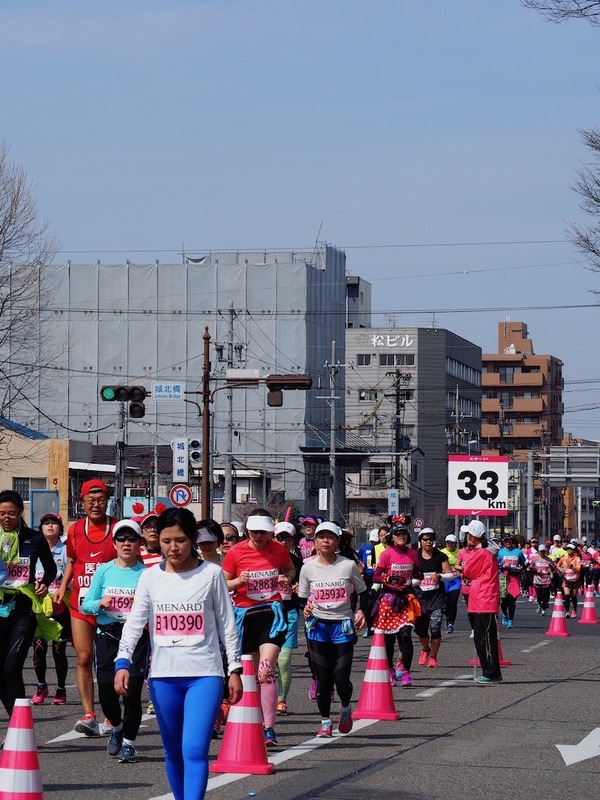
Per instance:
{"type": "Point", "coordinates": [588, 615]}
{"type": "Point", "coordinates": [558, 623]}
{"type": "Point", "coordinates": [20, 776]}
{"type": "Point", "coordinates": [376, 699]}
{"type": "Point", "coordinates": [243, 748]}
{"type": "Point", "coordinates": [503, 662]}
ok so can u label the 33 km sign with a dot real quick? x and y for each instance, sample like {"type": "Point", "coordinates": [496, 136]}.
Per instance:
{"type": "Point", "coordinates": [478, 485]}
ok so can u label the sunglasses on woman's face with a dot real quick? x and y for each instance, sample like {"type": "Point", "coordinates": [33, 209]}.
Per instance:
{"type": "Point", "coordinates": [232, 538]}
{"type": "Point", "coordinates": [126, 537]}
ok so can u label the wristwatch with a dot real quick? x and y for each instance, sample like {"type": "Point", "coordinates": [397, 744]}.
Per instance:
{"type": "Point", "coordinates": [237, 671]}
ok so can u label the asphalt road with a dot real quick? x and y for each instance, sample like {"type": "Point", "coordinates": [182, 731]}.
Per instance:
{"type": "Point", "coordinates": [455, 739]}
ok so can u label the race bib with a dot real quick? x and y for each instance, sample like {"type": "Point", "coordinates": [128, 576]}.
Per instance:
{"type": "Point", "coordinates": [178, 624]}
{"type": "Point", "coordinates": [263, 584]}
{"type": "Point", "coordinates": [84, 581]}
{"type": "Point", "coordinates": [18, 572]}
{"type": "Point", "coordinates": [330, 594]}
{"type": "Point", "coordinates": [430, 581]}
{"type": "Point", "coordinates": [286, 593]}
{"type": "Point", "coordinates": [400, 574]}
{"type": "Point", "coordinates": [121, 601]}
{"type": "Point", "coordinates": [509, 562]}
{"type": "Point", "coordinates": [570, 575]}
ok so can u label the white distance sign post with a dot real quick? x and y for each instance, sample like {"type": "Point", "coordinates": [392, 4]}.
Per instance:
{"type": "Point", "coordinates": [478, 485]}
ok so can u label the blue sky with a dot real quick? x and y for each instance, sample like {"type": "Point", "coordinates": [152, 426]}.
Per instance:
{"type": "Point", "coordinates": [435, 141]}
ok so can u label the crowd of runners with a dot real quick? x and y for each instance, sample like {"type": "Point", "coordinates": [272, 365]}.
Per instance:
{"type": "Point", "coordinates": [171, 603]}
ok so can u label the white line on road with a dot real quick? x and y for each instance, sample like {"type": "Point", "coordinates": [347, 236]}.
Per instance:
{"type": "Point", "coordinates": [279, 758]}
{"type": "Point", "coordinates": [445, 685]}
{"type": "Point", "coordinates": [535, 646]}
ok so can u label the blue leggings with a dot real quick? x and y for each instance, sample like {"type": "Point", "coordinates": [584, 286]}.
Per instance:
{"type": "Point", "coordinates": [186, 709]}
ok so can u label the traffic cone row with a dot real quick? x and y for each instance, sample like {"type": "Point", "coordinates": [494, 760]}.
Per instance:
{"type": "Point", "coordinates": [243, 748]}
{"type": "Point", "coordinates": [20, 776]}
{"type": "Point", "coordinates": [588, 616]}
{"type": "Point", "coordinates": [376, 700]}
{"type": "Point", "coordinates": [558, 623]}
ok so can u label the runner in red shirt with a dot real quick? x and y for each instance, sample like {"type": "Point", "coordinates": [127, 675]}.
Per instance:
{"type": "Point", "coordinates": [89, 543]}
{"type": "Point", "coordinates": [255, 569]}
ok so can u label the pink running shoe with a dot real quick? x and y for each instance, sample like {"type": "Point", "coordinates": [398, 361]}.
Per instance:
{"type": "Point", "coordinates": [41, 693]}
{"type": "Point", "coordinates": [393, 677]}
{"type": "Point", "coordinates": [406, 679]}
{"type": "Point", "coordinates": [423, 657]}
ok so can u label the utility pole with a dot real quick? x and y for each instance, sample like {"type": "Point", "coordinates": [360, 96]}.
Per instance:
{"type": "Point", "coordinates": [205, 481]}
{"type": "Point", "coordinates": [400, 381]}
{"type": "Point", "coordinates": [333, 370]}
{"type": "Point", "coordinates": [120, 445]}
{"type": "Point", "coordinates": [228, 488]}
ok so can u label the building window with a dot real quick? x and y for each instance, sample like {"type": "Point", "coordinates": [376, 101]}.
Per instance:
{"type": "Point", "coordinates": [396, 359]}
{"type": "Point", "coordinates": [367, 394]}
{"type": "Point", "coordinates": [378, 478]}
{"type": "Point", "coordinates": [24, 485]}
{"type": "Point", "coordinates": [363, 360]}
{"type": "Point", "coordinates": [366, 430]}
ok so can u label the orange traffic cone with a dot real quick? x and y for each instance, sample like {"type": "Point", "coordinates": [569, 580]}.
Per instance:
{"type": "Point", "coordinates": [20, 776]}
{"type": "Point", "coordinates": [501, 659]}
{"type": "Point", "coordinates": [376, 699]}
{"type": "Point", "coordinates": [558, 623]}
{"type": "Point", "coordinates": [243, 748]}
{"type": "Point", "coordinates": [588, 615]}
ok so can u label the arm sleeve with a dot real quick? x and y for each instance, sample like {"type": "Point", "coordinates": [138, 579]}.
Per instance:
{"type": "Point", "coordinates": [91, 601]}
{"type": "Point", "coordinates": [47, 561]}
{"type": "Point", "coordinates": [136, 620]}
{"type": "Point", "coordinates": [225, 621]}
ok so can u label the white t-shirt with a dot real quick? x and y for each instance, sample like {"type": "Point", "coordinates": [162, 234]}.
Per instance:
{"type": "Point", "coordinates": [330, 587]}
{"type": "Point", "coordinates": [187, 614]}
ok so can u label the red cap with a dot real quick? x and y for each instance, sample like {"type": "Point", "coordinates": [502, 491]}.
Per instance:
{"type": "Point", "coordinates": [95, 486]}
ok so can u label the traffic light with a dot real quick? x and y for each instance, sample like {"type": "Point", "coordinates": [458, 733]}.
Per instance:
{"type": "Point", "coordinates": [134, 395]}
{"type": "Point", "coordinates": [595, 503]}
{"type": "Point", "coordinates": [277, 383]}
{"type": "Point", "coordinates": [195, 453]}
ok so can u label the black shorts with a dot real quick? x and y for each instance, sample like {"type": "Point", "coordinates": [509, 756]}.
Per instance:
{"type": "Point", "coordinates": [108, 638]}
{"type": "Point", "coordinates": [256, 631]}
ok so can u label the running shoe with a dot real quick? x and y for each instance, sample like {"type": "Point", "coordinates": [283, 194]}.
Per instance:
{"type": "Point", "coordinates": [312, 690]}
{"type": "Point", "coordinates": [225, 706]}
{"type": "Point", "coordinates": [406, 679]}
{"type": "Point", "coordinates": [128, 754]}
{"type": "Point", "coordinates": [543, 612]}
{"type": "Point", "coordinates": [574, 615]}
{"type": "Point", "coordinates": [567, 615]}
{"type": "Point", "coordinates": [326, 729]}
{"type": "Point", "coordinates": [105, 727]}
{"type": "Point", "coordinates": [270, 738]}
{"type": "Point", "coordinates": [423, 657]}
{"type": "Point", "coordinates": [88, 724]}
{"type": "Point", "coordinates": [472, 635]}
{"type": "Point", "coordinates": [115, 742]}
{"type": "Point", "coordinates": [449, 627]}
{"type": "Point", "coordinates": [509, 623]}
{"type": "Point", "coordinates": [345, 720]}
{"type": "Point", "coordinates": [393, 677]}
{"type": "Point", "coordinates": [41, 693]}
{"type": "Point", "coordinates": [432, 662]}
{"type": "Point", "coordinates": [504, 620]}
{"type": "Point", "coordinates": [281, 708]}
{"type": "Point", "coordinates": [531, 598]}
{"type": "Point", "coordinates": [150, 708]}
{"type": "Point", "coordinates": [399, 669]}
{"type": "Point", "coordinates": [481, 679]}
{"type": "Point", "coordinates": [60, 697]}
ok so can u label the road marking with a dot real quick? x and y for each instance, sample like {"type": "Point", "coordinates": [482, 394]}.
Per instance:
{"type": "Point", "coordinates": [588, 747]}
{"type": "Point", "coordinates": [279, 758]}
{"type": "Point", "coordinates": [535, 646]}
{"type": "Point", "coordinates": [66, 737]}
{"type": "Point", "coordinates": [445, 685]}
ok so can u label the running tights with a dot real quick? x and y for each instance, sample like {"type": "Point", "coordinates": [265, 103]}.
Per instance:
{"type": "Point", "coordinates": [508, 605]}
{"type": "Point", "coordinates": [405, 644]}
{"type": "Point", "coordinates": [16, 635]}
{"type": "Point", "coordinates": [59, 653]}
{"type": "Point", "coordinates": [333, 665]}
{"type": "Point", "coordinates": [186, 709]}
{"type": "Point", "coordinates": [132, 706]}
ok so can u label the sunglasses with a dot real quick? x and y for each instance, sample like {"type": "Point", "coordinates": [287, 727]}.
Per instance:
{"type": "Point", "coordinates": [281, 537]}
{"type": "Point", "coordinates": [425, 539]}
{"type": "Point", "coordinates": [232, 538]}
{"type": "Point", "coordinates": [127, 537]}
